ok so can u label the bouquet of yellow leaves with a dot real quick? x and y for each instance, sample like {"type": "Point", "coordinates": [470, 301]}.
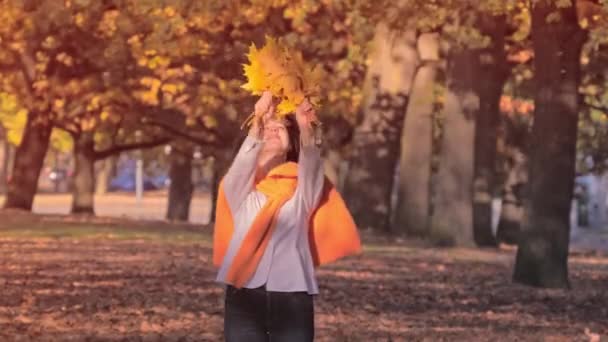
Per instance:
{"type": "Point", "coordinates": [284, 73]}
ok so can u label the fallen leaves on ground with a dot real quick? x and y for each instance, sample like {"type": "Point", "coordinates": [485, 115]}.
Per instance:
{"type": "Point", "coordinates": [103, 289]}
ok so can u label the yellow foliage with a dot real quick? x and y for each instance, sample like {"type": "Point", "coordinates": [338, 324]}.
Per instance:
{"type": "Point", "coordinates": [169, 88]}
{"type": "Point", "coordinates": [88, 124]}
{"type": "Point", "coordinates": [13, 117]}
{"type": "Point", "coordinates": [158, 61]}
{"type": "Point", "coordinates": [41, 85]}
{"type": "Point", "coordinates": [188, 69]}
{"type": "Point", "coordinates": [65, 59]}
{"type": "Point", "coordinates": [94, 104]}
{"type": "Point", "coordinates": [107, 25]}
{"type": "Point", "coordinates": [104, 115]}
{"type": "Point", "coordinates": [210, 121]}
{"type": "Point", "coordinates": [79, 19]}
{"type": "Point", "coordinates": [284, 73]}
{"type": "Point", "coordinates": [61, 140]}
{"type": "Point", "coordinates": [170, 11]}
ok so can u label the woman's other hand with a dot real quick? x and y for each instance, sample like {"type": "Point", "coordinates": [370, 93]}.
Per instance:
{"type": "Point", "coordinates": [263, 110]}
{"type": "Point", "coordinates": [306, 116]}
{"type": "Point", "coordinates": [263, 104]}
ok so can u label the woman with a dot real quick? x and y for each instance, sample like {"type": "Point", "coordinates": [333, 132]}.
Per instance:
{"type": "Point", "coordinates": [273, 227]}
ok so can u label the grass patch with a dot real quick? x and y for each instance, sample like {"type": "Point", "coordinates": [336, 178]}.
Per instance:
{"type": "Point", "coordinates": [83, 231]}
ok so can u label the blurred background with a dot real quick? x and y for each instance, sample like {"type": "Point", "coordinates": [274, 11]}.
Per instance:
{"type": "Point", "coordinates": [452, 121]}
{"type": "Point", "coordinates": [476, 125]}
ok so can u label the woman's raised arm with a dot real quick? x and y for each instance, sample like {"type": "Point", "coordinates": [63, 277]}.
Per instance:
{"type": "Point", "coordinates": [239, 180]}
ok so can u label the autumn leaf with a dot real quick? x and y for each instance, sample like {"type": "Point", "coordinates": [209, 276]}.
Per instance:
{"type": "Point", "coordinates": [284, 73]}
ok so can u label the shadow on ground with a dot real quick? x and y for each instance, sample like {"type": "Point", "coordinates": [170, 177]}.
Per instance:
{"type": "Point", "coordinates": [151, 287]}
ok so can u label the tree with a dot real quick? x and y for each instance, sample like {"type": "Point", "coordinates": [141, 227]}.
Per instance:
{"type": "Point", "coordinates": [38, 52]}
{"type": "Point", "coordinates": [516, 106]}
{"type": "Point", "coordinates": [489, 86]}
{"type": "Point", "coordinates": [368, 186]}
{"type": "Point", "coordinates": [105, 174]}
{"type": "Point", "coordinates": [13, 121]}
{"type": "Point", "coordinates": [207, 106]}
{"type": "Point", "coordinates": [542, 256]}
{"type": "Point", "coordinates": [412, 211]}
{"type": "Point", "coordinates": [4, 157]}
{"type": "Point", "coordinates": [181, 188]}
{"type": "Point", "coordinates": [475, 75]}
{"type": "Point", "coordinates": [514, 160]}
{"type": "Point", "coordinates": [451, 223]}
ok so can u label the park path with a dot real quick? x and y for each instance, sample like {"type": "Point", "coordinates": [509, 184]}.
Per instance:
{"type": "Point", "coordinates": [152, 207]}
{"type": "Point", "coordinates": [154, 204]}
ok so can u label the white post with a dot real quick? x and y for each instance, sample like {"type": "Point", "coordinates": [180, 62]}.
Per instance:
{"type": "Point", "coordinates": [139, 173]}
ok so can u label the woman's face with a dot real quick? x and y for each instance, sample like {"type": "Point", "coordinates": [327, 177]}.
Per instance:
{"type": "Point", "coordinates": [276, 137]}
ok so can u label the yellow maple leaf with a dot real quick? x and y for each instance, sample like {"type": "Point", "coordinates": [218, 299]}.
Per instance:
{"type": "Point", "coordinates": [284, 73]}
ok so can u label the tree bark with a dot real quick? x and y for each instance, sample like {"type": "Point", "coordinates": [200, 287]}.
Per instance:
{"type": "Point", "coordinates": [28, 162]}
{"type": "Point", "coordinates": [452, 220]}
{"type": "Point", "coordinates": [221, 163]}
{"type": "Point", "coordinates": [181, 188]}
{"type": "Point", "coordinates": [83, 190]}
{"type": "Point", "coordinates": [368, 186]}
{"type": "Point", "coordinates": [542, 254]}
{"type": "Point", "coordinates": [492, 77]}
{"type": "Point", "coordinates": [215, 184]}
{"type": "Point", "coordinates": [105, 174]}
{"type": "Point", "coordinates": [411, 215]}
{"type": "Point", "coordinates": [9, 163]}
{"type": "Point", "coordinates": [5, 155]}
{"type": "Point", "coordinates": [511, 213]}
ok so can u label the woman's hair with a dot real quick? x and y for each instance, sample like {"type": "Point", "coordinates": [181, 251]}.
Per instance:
{"type": "Point", "coordinates": [293, 132]}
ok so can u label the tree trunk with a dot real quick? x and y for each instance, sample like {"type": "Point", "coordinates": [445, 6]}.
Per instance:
{"type": "Point", "coordinates": [105, 175]}
{"type": "Point", "coordinates": [512, 210]}
{"type": "Point", "coordinates": [411, 214]}
{"type": "Point", "coordinates": [215, 184]}
{"type": "Point", "coordinates": [181, 188]}
{"type": "Point", "coordinates": [4, 156]}
{"type": "Point", "coordinates": [221, 163]}
{"type": "Point", "coordinates": [9, 163]}
{"type": "Point", "coordinates": [542, 254]}
{"type": "Point", "coordinates": [28, 162]}
{"type": "Point", "coordinates": [368, 186]}
{"type": "Point", "coordinates": [83, 189]}
{"type": "Point", "coordinates": [452, 220]}
{"type": "Point", "coordinates": [492, 77]}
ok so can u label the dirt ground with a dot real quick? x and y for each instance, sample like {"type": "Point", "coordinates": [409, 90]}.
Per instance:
{"type": "Point", "coordinates": [70, 279]}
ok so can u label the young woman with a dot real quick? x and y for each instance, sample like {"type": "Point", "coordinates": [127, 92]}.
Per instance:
{"type": "Point", "coordinates": [277, 218]}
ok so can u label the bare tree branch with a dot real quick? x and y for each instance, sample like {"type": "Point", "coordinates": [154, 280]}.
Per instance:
{"type": "Point", "coordinates": [116, 149]}
{"type": "Point", "coordinates": [182, 134]}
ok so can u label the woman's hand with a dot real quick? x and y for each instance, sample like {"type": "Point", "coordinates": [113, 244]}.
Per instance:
{"type": "Point", "coordinates": [263, 104]}
{"type": "Point", "coordinates": [263, 110]}
{"type": "Point", "coordinates": [306, 116]}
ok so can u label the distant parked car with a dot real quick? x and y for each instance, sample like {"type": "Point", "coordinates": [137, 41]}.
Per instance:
{"type": "Point", "coordinates": [126, 182]}
{"type": "Point", "coordinates": [161, 181]}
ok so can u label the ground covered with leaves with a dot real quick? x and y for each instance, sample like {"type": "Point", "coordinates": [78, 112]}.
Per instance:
{"type": "Point", "coordinates": [70, 279]}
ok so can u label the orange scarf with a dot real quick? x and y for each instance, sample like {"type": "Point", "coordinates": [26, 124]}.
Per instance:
{"type": "Point", "coordinates": [332, 231]}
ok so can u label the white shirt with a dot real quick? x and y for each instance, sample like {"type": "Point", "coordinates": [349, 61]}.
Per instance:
{"type": "Point", "coordinates": [287, 264]}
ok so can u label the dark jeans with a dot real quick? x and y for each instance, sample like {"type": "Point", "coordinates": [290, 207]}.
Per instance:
{"type": "Point", "coordinates": [254, 315]}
